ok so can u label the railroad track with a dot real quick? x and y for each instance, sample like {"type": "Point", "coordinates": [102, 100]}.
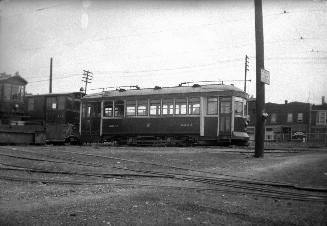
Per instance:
{"type": "Point", "coordinates": [234, 184]}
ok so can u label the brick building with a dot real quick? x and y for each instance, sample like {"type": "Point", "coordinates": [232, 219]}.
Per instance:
{"type": "Point", "coordinates": [285, 121]}
{"type": "Point", "coordinates": [319, 122]}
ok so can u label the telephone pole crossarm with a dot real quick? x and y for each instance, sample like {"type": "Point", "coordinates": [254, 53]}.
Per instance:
{"type": "Point", "coordinates": [246, 70]}
{"type": "Point", "coordinates": [87, 78]}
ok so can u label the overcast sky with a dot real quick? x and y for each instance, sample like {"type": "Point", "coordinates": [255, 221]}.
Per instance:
{"type": "Point", "coordinates": [157, 42]}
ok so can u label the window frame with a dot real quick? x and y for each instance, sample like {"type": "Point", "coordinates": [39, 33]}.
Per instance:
{"type": "Point", "coordinates": [51, 102]}
{"type": "Point", "coordinates": [236, 108]}
{"type": "Point", "coordinates": [209, 102]}
{"type": "Point", "coordinates": [290, 117]}
{"type": "Point", "coordinates": [223, 108]}
{"type": "Point", "coordinates": [144, 104]}
{"type": "Point", "coordinates": [182, 106]}
{"type": "Point", "coordinates": [321, 118]}
{"type": "Point", "coordinates": [273, 118]}
{"type": "Point", "coordinates": [192, 102]}
{"type": "Point", "coordinates": [131, 108]}
{"type": "Point", "coordinates": [157, 104]}
{"type": "Point", "coordinates": [119, 105]}
{"type": "Point", "coordinates": [169, 102]}
{"type": "Point", "coordinates": [108, 104]}
{"type": "Point", "coordinates": [300, 117]}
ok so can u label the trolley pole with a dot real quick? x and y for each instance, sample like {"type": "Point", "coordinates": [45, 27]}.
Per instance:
{"type": "Point", "coordinates": [260, 86]}
{"type": "Point", "coordinates": [50, 84]}
{"type": "Point", "coordinates": [87, 77]}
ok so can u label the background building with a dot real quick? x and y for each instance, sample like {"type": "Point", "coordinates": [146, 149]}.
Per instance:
{"type": "Point", "coordinates": [12, 92]}
{"type": "Point", "coordinates": [288, 121]}
{"type": "Point", "coordinates": [319, 122]}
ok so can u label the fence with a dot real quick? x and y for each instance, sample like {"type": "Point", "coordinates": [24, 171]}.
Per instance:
{"type": "Point", "coordinates": [309, 139]}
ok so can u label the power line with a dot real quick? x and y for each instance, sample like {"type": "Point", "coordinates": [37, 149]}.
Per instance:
{"type": "Point", "coordinates": [155, 32]}
{"type": "Point", "coordinates": [35, 11]}
{"type": "Point", "coordinates": [46, 80]}
{"type": "Point", "coordinates": [173, 68]}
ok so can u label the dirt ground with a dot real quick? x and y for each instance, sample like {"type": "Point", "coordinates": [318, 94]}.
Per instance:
{"type": "Point", "coordinates": [103, 185]}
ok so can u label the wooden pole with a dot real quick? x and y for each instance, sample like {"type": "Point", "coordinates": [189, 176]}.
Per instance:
{"type": "Point", "coordinates": [260, 86]}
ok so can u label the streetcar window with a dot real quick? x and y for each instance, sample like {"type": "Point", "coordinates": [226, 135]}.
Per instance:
{"type": "Point", "coordinates": [83, 110]}
{"type": "Point", "coordinates": [96, 110]}
{"type": "Point", "coordinates": [89, 110]}
{"type": "Point", "coordinates": [108, 109]}
{"type": "Point", "coordinates": [180, 106]}
{"type": "Point", "coordinates": [61, 103]}
{"type": "Point", "coordinates": [30, 104]}
{"type": "Point", "coordinates": [212, 105]}
{"type": "Point", "coordinates": [155, 107]}
{"type": "Point", "coordinates": [225, 107]}
{"type": "Point", "coordinates": [131, 107]}
{"type": "Point", "coordinates": [238, 108]}
{"type": "Point", "coordinates": [52, 103]}
{"type": "Point", "coordinates": [142, 107]}
{"type": "Point", "coordinates": [119, 108]}
{"type": "Point", "coordinates": [168, 107]}
{"type": "Point", "coordinates": [194, 106]}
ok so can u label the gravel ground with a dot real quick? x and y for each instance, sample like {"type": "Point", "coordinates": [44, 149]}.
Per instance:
{"type": "Point", "coordinates": [94, 190]}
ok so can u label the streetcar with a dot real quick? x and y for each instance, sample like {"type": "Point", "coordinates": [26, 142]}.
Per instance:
{"type": "Point", "coordinates": [209, 114]}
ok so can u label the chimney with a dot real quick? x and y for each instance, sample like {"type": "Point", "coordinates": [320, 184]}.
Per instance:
{"type": "Point", "coordinates": [286, 102]}
{"type": "Point", "coordinates": [323, 100]}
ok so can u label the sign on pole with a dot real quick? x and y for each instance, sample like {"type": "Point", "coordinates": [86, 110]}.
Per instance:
{"type": "Point", "coordinates": [265, 76]}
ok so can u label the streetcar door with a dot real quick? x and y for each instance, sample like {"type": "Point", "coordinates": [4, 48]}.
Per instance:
{"type": "Point", "coordinates": [211, 118]}
{"type": "Point", "coordinates": [91, 121]}
{"type": "Point", "coordinates": [225, 115]}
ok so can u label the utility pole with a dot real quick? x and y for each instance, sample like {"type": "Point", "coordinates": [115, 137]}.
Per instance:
{"type": "Point", "coordinates": [87, 76]}
{"type": "Point", "coordinates": [50, 84]}
{"type": "Point", "coordinates": [260, 86]}
{"type": "Point", "coordinates": [246, 70]}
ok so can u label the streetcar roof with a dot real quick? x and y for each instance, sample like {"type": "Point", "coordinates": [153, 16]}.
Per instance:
{"type": "Point", "coordinates": [165, 91]}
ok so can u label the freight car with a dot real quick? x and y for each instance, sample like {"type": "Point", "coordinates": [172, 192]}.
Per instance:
{"type": "Point", "coordinates": [183, 115]}
{"type": "Point", "coordinates": [59, 113]}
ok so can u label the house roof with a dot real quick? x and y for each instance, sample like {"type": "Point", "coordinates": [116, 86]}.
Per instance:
{"type": "Point", "coordinates": [320, 107]}
{"type": "Point", "coordinates": [165, 91]}
{"type": "Point", "coordinates": [8, 77]}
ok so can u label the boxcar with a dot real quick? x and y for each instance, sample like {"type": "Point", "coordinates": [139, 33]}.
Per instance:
{"type": "Point", "coordinates": [208, 114]}
{"type": "Point", "coordinates": [59, 112]}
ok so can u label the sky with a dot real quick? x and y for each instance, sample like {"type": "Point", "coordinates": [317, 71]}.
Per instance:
{"type": "Point", "coordinates": [164, 43]}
